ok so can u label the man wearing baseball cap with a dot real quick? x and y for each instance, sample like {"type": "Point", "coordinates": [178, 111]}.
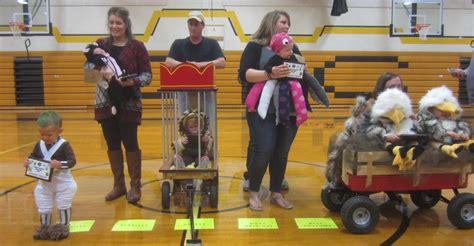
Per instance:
{"type": "Point", "coordinates": [198, 50]}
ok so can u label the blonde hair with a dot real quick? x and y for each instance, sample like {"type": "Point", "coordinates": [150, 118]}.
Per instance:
{"type": "Point", "coordinates": [267, 27]}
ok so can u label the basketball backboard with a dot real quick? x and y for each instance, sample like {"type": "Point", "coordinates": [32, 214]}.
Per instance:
{"type": "Point", "coordinates": [406, 15]}
{"type": "Point", "coordinates": [33, 14]}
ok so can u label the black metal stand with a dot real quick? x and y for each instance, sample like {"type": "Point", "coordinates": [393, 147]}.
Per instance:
{"type": "Point", "coordinates": [194, 241]}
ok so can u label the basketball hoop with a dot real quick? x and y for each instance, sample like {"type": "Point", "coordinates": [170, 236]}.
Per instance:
{"type": "Point", "coordinates": [17, 28]}
{"type": "Point", "coordinates": [422, 30]}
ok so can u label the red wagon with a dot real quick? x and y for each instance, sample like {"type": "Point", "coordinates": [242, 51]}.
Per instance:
{"type": "Point", "coordinates": [365, 173]}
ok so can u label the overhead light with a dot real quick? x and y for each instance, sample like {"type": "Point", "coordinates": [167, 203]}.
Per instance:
{"type": "Point", "coordinates": [407, 3]}
{"type": "Point", "coordinates": [22, 1]}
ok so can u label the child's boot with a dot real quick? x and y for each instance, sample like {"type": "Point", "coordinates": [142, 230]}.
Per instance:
{"type": "Point", "coordinates": [179, 162]}
{"type": "Point", "coordinates": [412, 154]}
{"type": "Point", "coordinates": [61, 230]}
{"type": "Point", "coordinates": [204, 162]}
{"type": "Point", "coordinates": [469, 145]}
{"type": "Point", "coordinates": [58, 232]}
{"type": "Point", "coordinates": [451, 150]}
{"type": "Point", "coordinates": [400, 153]}
{"type": "Point", "coordinates": [42, 232]}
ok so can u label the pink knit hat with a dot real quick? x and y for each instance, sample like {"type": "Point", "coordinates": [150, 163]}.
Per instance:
{"type": "Point", "coordinates": [279, 41]}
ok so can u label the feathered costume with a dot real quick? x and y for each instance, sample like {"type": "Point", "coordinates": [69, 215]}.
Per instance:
{"type": "Point", "coordinates": [187, 154]}
{"type": "Point", "coordinates": [356, 124]}
{"type": "Point", "coordinates": [437, 129]}
{"type": "Point", "coordinates": [391, 116]}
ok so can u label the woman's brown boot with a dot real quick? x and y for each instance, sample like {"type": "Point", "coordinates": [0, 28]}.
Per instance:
{"type": "Point", "coordinates": [116, 164]}
{"type": "Point", "coordinates": [134, 163]}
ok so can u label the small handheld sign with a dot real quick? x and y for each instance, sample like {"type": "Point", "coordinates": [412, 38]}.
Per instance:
{"type": "Point", "coordinates": [296, 70]}
{"type": "Point", "coordinates": [39, 169]}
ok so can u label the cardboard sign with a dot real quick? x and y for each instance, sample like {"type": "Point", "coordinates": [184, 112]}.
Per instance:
{"type": "Point", "coordinates": [134, 225]}
{"type": "Point", "coordinates": [315, 223]}
{"type": "Point", "coordinates": [81, 225]}
{"type": "Point", "coordinates": [257, 223]}
{"type": "Point", "coordinates": [199, 224]}
{"type": "Point", "coordinates": [296, 70]}
{"type": "Point", "coordinates": [39, 169]}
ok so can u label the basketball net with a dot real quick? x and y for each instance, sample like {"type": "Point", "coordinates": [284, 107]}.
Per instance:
{"type": "Point", "coordinates": [17, 28]}
{"type": "Point", "coordinates": [422, 30]}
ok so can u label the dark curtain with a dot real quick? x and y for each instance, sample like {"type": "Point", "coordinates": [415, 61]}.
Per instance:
{"type": "Point", "coordinates": [339, 7]}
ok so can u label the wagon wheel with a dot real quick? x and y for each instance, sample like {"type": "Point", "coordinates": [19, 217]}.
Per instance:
{"type": "Point", "coordinates": [334, 199]}
{"type": "Point", "coordinates": [360, 215]}
{"type": "Point", "coordinates": [165, 195]}
{"type": "Point", "coordinates": [214, 192]}
{"type": "Point", "coordinates": [461, 211]}
{"type": "Point", "coordinates": [425, 198]}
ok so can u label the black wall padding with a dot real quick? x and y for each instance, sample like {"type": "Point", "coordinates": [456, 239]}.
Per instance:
{"type": "Point", "coordinates": [29, 85]}
{"type": "Point", "coordinates": [463, 99]}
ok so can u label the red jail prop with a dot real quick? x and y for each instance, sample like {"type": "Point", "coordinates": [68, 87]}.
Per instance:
{"type": "Point", "coordinates": [187, 76]}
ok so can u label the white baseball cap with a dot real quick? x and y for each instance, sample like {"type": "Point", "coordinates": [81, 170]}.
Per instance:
{"type": "Point", "coordinates": [196, 15]}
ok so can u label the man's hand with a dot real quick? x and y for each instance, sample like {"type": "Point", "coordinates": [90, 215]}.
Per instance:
{"type": "Point", "coordinates": [200, 65]}
{"type": "Point", "coordinates": [55, 164]}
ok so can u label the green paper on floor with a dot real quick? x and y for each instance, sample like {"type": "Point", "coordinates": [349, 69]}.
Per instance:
{"type": "Point", "coordinates": [81, 225]}
{"type": "Point", "coordinates": [315, 223]}
{"type": "Point", "coordinates": [199, 224]}
{"type": "Point", "coordinates": [134, 225]}
{"type": "Point", "coordinates": [257, 223]}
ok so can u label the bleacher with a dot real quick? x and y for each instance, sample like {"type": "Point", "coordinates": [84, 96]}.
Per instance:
{"type": "Point", "coordinates": [343, 74]}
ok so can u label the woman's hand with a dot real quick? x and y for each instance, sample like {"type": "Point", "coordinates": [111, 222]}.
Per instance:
{"type": "Point", "coordinates": [391, 138]}
{"type": "Point", "coordinates": [280, 71]}
{"type": "Point", "coordinates": [99, 51]}
{"type": "Point", "coordinates": [55, 164]}
{"type": "Point", "coordinates": [107, 73]}
{"type": "Point", "coordinates": [126, 82]}
{"type": "Point", "coordinates": [26, 162]}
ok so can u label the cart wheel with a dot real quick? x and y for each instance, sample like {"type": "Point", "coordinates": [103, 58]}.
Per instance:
{"type": "Point", "coordinates": [334, 199]}
{"type": "Point", "coordinates": [425, 198]}
{"type": "Point", "coordinates": [214, 193]}
{"type": "Point", "coordinates": [165, 195]}
{"type": "Point", "coordinates": [461, 211]}
{"type": "Point", "coordinates": [360, 214]}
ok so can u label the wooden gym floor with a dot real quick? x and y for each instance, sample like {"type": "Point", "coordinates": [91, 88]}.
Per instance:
{"type": "Point", "coordinates": [305, 173]}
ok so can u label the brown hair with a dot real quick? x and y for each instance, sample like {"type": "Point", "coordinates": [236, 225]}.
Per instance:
{"type": "Point", "coordinates": [267, 27]}
{"type": "Point", "coordinates": [381, 81]}
{"type": "Point", "coordinates": [123, 14]}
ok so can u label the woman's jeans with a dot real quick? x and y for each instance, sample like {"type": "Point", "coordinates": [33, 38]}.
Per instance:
{"type": "Point", "coordinates": [269, 145]}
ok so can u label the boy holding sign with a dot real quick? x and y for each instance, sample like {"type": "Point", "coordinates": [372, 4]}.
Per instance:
{"type": "Point", "coordinates": [58, 187]}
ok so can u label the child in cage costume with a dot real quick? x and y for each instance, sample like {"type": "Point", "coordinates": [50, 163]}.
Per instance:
{"type": "Point", "coordinates": [194, 146]}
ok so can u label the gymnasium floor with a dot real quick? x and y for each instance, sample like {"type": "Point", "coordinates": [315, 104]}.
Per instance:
{"type": "Point", "coordinates": [305, 173]}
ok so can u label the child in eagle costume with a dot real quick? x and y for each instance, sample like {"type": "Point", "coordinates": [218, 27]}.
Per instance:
{"type": "Point", "coordinates": [439, 117]}
{"type": "Point", "coordinates": [391, 117]}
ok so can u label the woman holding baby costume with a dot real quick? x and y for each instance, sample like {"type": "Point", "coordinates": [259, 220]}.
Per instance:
{"type": "Point", "coordinates": [122, 128]}
{"type": "Point", "coordinates": [269, 143]}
